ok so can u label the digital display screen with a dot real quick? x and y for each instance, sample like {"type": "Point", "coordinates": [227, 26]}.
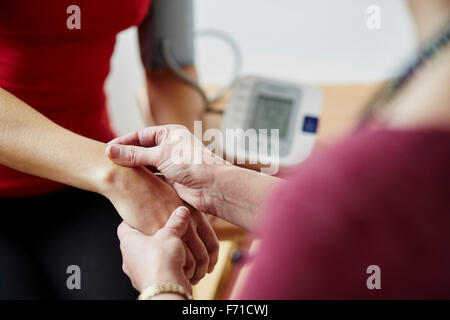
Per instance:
{"type": "Point", "coordinates": [272, 113]}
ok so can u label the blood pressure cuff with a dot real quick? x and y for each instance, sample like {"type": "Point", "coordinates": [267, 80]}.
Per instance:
{"type": "Point", "coordinates": [171, 21]}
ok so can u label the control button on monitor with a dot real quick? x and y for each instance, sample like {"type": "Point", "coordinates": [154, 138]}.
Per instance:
{"type": "Point", "coordinates": [310, 124]}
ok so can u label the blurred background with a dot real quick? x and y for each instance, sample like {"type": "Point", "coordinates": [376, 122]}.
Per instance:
{"type": "Point", "coordinates": [315, 41]}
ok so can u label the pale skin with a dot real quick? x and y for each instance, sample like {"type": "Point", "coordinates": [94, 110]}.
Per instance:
{"type": "Point", "coordinates": [31, 143]}
{"type": "Point", "coordinates": [168, 237]}
{"type": "Point", "coordinates": [236, 194]}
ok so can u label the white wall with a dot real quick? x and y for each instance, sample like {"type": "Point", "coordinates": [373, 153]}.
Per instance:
{"type": "Point", "coordinates": [320, 41]}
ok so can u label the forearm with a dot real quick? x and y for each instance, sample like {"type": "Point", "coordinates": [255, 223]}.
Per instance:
{"type": "Point", "coordinates": [237, 194]}
{"type": "Point", "coordinates": [31, 143]}
{"type": "Point", "coordinates": [172, 101]}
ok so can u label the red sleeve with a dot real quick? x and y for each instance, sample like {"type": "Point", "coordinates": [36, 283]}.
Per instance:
{"type": "Point", "coordinates": [378, 198]}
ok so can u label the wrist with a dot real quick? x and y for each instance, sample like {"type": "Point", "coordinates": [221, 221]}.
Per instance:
{"type": "Point", "coordinates": [214, 189]}
{"type": "Point", "coordinates": [110, 177]}
{"type": "Point", "coordinates": [166, 291]}
{"type": "Point", "coordinates": [164, 277]}
{"type": "Point", "coordinates": [168, 296]}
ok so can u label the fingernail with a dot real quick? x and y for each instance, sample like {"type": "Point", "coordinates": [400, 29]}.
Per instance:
{"type": "Point", "coordinates": [182, 212]}
{"type": "Point", "coordinates": [114, 151]}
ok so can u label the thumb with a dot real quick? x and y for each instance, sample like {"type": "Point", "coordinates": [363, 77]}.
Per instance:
{"type": "Point", "coordinates": [131, 156]}
{"type": "Point", "coordinates": [178, 221]}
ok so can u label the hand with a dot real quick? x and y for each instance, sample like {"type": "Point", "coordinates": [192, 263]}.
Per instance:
{"type": "Point", "coordinates": [145, 201]}
{"type": "Point", "coordinates": [183, 160]}
{"type": "Point", "coordinates": [156, 259]}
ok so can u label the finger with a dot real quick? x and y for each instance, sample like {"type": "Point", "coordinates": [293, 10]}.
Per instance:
{"type": "Point", "coordinates": [132, 156]}
{"type": "Point", "coordinates": [199, 251]}
{"type": "Point", "coordinates": [146, 137]}
{"type": "Point", "coordinates": [125, 229]}
{"type": "Point", "coordinates": [189, 267]}
{"type": "Point", "coordinates": [178, 222]}
{"type": "Point", "coordinates": [209, 238]}
{"type": "Point", "coordinates": [131, 138]}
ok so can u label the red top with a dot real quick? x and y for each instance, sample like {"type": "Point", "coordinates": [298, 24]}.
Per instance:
{"type": "Point", "coordinates": [378, 198]}
{"type": "Point", "coordinates": [60, 72]}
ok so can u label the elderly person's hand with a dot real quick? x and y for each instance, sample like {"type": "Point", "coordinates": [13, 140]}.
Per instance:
{"type": "Point", "coordinates": [201, 178]}
{"type": "Point", "coordinates": [205, 251]}
{"type": "Point", "coordinates": [181, 158]}
{"type": "Point", "coordinates": [157, 259]}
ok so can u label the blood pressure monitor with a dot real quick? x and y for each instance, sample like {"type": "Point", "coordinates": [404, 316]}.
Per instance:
{"type": "Point", "coordinates": [258, 105]}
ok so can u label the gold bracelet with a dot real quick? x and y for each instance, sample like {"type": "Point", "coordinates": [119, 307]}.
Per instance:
{"type": "Point", "coordinates": [152, 291]}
